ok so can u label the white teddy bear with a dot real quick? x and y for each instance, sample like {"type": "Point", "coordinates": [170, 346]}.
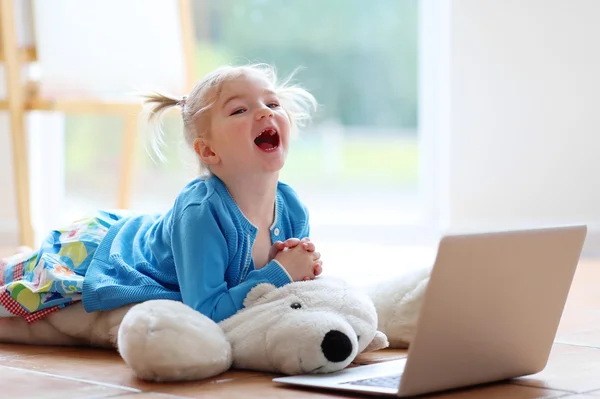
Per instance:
{"type": "Point", "coordinates": [398, 303]}
{"type": "Point", "coordinates": [316, 326]}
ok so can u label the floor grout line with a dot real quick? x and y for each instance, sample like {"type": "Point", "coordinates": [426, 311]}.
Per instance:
{"type": "Point", "coordinates": [579, 345]}
{"type": "Point", "coordinates": [166, 395]}
{"type": "Point", "coordinates": [16, 356]}
{"type": "Point", "coordinates": [105, 384]}
{"type": "Point", "coordinates": [117, 395]}
{"type": "Point", "coordinates": [532, 385]}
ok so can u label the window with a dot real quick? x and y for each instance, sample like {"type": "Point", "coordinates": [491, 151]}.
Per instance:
{"type": "Point", "coordinates": [361, 165]}
{"type": "Point", "coordinates": [356, 165]}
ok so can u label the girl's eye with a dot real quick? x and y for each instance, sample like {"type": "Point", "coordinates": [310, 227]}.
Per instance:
{"type": "Point", "coordinates": [273, 105]}
{"type": "Point", "coordinates": [239, 111]}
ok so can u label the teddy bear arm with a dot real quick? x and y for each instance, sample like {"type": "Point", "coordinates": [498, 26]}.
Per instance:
{"type": "Point", "coordinates": [164, 340]}
{"type": "Point", "coordinates": [378, 342]}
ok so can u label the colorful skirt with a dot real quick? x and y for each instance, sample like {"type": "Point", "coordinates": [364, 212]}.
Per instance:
{"type": "Point", "coordinates": [35, 284]}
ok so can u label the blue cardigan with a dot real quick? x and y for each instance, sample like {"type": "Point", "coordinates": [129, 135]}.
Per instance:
{"type": "Point", "coordinates": [199, 252]}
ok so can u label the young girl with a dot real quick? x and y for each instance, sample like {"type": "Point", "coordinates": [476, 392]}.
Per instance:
{"type": "Point", "coordinates": [234, 227]}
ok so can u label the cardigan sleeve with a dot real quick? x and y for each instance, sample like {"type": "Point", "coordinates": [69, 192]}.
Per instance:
{"type": "Point", "coordinates": [201, 256]}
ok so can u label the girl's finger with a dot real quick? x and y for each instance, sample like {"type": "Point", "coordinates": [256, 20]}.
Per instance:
{"type": "Point", "coordinates": [318, 270]}
{"type": "Point", "coordinates": [291, 242]}
{"type": "Point", "coordinates": [309, 246]}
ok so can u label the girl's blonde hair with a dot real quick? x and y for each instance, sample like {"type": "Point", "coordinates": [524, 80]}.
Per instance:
{"type": "Point", "coordinates": [296, 101]}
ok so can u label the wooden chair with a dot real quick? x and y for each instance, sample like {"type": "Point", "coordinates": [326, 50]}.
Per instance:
{"type": "Point", "coordinates": [24, 95]}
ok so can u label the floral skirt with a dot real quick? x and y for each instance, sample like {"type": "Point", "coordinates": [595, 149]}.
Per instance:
{"type": "Point", "coordinates": [35, 284]}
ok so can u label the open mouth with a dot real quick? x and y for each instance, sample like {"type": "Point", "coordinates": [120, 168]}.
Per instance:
{"type": "Point", "coordinates": [267, 140]}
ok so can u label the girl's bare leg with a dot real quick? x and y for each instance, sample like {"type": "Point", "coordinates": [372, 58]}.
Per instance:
{"type": "Point", "coordinates": [16, 330]}
{"type": "Point", "coordinates": [69, 326]}
{"type": "Point", "coordinates": [98, 329]}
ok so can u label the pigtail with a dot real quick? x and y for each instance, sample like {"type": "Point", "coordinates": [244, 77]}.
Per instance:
{"type": "Point", "coordinates": [296, 101]}
{"type": "Point", "coordinates": [155, 105]}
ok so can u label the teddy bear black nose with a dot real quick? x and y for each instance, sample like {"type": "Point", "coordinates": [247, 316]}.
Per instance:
{"type": "Point", "coordinates": [336, 346]}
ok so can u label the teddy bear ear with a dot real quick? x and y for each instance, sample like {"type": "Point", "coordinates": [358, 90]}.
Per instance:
{"type": "Point", "coordinates": [379, 341]}
{"type": "Point", "coordinates": [257, 293]}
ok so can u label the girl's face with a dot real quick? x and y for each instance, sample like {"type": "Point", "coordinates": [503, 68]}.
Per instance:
{"type": "Point", "coordinates": [249, 130]}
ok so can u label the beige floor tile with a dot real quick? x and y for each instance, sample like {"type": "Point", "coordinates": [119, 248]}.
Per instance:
{"type": "Point", "coordinates": [589, 337]}
{"type": "Point", "coordinates": [570, 368]}
{"type": "Point", "coordinates": [26, 384]}
{"type": "Point", "coordinates": [260, 385]}
{"type": "Point", "coordinates": [107, 367]}
{"type": "Point", "coordinates": [148, 395]}
{"type": "Point", "coordinates": [263, 387]}
{"type": "Point", "coordinates": [96, 365]}
{"type": "Point", "coordinates": [13, 350]}
{"type": "Point", "coordinates": [489, 391]}
{"type": "Point", "coordinates": [255, 387]}
{"type": "Point", "coordinates": [499, 391]}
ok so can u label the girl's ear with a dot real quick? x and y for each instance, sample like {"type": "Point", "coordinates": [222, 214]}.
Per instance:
{"type": "Point", "coordinates": [206, 154]}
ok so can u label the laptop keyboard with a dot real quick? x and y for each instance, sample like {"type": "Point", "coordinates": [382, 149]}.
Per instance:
{"type": "Point", "coordinates": [388, 381]}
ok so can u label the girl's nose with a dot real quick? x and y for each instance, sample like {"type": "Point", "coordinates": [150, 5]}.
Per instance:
{"type": "Point", "coordinates": [264, 112]}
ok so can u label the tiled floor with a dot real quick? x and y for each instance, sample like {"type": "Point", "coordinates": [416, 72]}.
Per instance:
{"type": "Point", "coordinates": [573, 370]}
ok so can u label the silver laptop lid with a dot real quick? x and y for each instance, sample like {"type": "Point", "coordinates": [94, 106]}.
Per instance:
{"type": "Point", "coordinates": [492, 307]}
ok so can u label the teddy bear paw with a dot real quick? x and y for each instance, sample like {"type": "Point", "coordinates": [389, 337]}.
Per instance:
{"type": "Point", "coordinates": [164, 340]}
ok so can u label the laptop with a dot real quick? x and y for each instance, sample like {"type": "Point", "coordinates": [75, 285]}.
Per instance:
{"type": "Point", "coordinates": [490, 313]}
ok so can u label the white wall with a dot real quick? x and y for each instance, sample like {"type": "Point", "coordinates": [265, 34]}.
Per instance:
{"type": "Point", "coordinates": [524, 130]}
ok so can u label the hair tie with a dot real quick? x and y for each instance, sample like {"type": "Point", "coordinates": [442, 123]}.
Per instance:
{"type": "Point", "coordinates": [181, 103]}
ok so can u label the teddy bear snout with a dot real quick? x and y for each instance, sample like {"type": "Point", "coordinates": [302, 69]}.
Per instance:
{"type": "Point", "coordinates": [336, 346]}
